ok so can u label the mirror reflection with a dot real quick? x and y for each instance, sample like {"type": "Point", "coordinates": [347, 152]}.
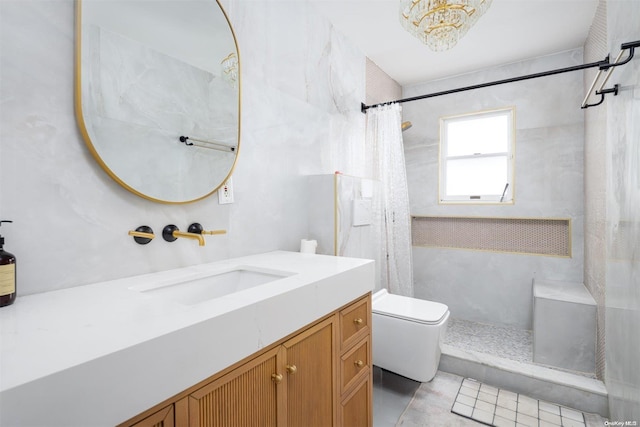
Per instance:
{"type": "Point", "coordinates": [158, 94]}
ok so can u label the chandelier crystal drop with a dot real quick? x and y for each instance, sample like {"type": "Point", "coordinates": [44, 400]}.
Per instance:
{"type": "Point", "coordinates": [441, 23]}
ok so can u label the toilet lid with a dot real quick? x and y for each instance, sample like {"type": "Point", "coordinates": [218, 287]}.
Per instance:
{"type": "Point", "coordinates": [412, 309]}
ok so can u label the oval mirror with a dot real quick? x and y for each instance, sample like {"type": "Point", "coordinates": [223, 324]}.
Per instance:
{"type": "Point", "coordinates": [158, 94]}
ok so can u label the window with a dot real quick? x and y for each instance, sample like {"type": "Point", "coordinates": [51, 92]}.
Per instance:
{"type": "Point", "coordinates": [476, 157]}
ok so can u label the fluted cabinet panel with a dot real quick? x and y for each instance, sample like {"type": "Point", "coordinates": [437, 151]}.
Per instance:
{"type": "Point", "coordinates": [245, 397]}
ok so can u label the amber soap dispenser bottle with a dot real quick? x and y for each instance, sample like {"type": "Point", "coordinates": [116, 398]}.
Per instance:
{"type": "Point", "coordinates": [7, 275]}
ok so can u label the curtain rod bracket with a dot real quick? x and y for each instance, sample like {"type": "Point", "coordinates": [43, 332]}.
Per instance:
{"type": "Point", "coordinates": [613, 90]}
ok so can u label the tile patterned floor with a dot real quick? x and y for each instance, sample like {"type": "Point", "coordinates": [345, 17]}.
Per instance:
{"type": "Point", "coordinates": [500, 408]}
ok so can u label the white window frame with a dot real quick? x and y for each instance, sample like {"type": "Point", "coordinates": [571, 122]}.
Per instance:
{"type": "Point", "coordinates": [503, 198]}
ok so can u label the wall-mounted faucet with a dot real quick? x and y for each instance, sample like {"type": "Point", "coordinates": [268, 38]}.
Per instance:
{"type": "Point", "coordinates": [171, 233]}
{"type": "Point", "coordinates": [142, 235]}
{"type": "Point", "coordinates": [197, 228]}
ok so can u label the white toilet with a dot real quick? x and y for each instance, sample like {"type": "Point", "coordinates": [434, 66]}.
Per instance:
{"type": "Point", "coordinates": [407, 333]}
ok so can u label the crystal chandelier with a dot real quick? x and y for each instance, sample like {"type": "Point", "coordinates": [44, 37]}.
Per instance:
{"type": "Point", "coordinates": [441, 23]}
{"type": "Point", "coordinates": [229, 66]}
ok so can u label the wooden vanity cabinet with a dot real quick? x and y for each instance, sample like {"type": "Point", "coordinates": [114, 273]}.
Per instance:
{"type": "Point", "coordinates": [318, 377]}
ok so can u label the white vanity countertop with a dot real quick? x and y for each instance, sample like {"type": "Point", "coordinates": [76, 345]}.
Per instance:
{"type": "Point", "coordinates": [100, 354]}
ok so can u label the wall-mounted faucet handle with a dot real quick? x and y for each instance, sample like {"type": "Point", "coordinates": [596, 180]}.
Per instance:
{"type": "Point", "coordinates": [142, 235]}
{"type": "Point", "coordinates": [197, 228]}
{"type": "Point", "coordinates": [171, 233]}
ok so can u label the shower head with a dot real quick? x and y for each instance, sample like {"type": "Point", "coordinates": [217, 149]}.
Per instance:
{"type": "Point", "coordinates": [406, 125]}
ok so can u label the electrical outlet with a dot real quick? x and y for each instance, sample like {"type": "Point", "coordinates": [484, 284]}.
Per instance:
{"type": "Point", "coordinates": [225, 193]}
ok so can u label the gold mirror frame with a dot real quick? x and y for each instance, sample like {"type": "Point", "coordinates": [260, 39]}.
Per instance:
{"type": "Point", "coordinates": [82, 123]}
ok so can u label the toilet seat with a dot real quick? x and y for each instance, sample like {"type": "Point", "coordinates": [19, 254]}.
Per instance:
{"type": "Point", "coordinates": [411, 309]}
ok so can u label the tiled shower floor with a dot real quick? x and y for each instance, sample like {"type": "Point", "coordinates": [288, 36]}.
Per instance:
{"type": "Point", "coordinates": [509, 343]}
{"type": "Point", "coordinates": [500, 341]}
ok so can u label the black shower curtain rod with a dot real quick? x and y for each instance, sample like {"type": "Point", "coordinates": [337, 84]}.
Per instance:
{"type": "Point", "coordinates": [602, 65]}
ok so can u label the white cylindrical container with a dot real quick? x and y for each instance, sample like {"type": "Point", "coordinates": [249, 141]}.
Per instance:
{"type": "Point", "coordinates": [308, 246]}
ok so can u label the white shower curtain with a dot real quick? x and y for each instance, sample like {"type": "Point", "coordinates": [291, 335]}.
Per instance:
{"type": "Point", "coordinates": [384, 139]}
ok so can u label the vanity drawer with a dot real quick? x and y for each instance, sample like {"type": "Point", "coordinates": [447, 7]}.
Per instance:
{"type": "Point", "coordinates": [354, 362]}
{"type": "Point", "coordinates": [355, 321]}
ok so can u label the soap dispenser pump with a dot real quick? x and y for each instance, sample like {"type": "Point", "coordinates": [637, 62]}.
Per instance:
{"type": "Point", "coordinates": [7, 275]}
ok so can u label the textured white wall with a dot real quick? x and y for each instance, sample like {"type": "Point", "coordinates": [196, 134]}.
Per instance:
{"type": "Point", "coordinates": [302, 85]}
{"type": "Point", "coordinates": [494, 287]}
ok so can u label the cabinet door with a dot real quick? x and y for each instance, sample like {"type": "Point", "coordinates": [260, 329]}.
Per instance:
{"type": "Point", "coordinates": [162, 418]}
{"type": "Point", "coordinates": [311, 376]}
{"type": "Point", "coordinates": [356, 409]}
{"type": "Point", "coordinates": [245, 397]}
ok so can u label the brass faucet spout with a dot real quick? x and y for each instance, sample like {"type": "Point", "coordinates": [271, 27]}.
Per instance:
{"type": "Point", "coordinates": [141, 234]}
{"type": "Point", "coordinates": [194, 236]}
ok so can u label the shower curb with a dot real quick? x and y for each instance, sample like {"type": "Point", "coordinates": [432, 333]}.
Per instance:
{"type": "Point", "coordinates": [540, 382]}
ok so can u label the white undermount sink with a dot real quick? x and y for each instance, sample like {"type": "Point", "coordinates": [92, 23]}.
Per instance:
{"type": "Point", "coordinates": [206, 286]}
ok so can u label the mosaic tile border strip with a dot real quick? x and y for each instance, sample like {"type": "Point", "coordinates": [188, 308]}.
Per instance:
{"type": "Point", "coordinates": [534, 236]}
{"type": "Point", "coordinates": [500, 408]}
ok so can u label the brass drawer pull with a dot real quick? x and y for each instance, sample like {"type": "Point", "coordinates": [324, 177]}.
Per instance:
{"type": "Point", "coordinates": [359, 363]}
{"type": "Point", "coordinates": [292, 369]}
{"type": "Point", "coordinates": [357, 321]}
{"type": "Point", "coordinates": [276, 378]}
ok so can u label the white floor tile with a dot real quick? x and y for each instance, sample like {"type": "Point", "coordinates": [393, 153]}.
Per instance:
{"type": "Point", "coordinates": [505, 394]}
{"type": "Point", "coordinates": [528, 407]}
{"type": "Point", "coordinates": [503, 422]}
{"type": "Point", "coordinates": [489, 389]}
{"type": "Point", "coordinates": [461, 409]}
{"type": "Point", "coordinates": [471, 384]}
{"type": "Point", "coordinates": [482, 416]}
{"type": "Point", "coordinates": [552, 408]}
{"type": "Point", "coordinates": [506, 413]}
{"type": "Point", "coordinates": [570, 422]}
{"type": "Point", "coordinates": [487, 397]}
{"type": "Point", "coordinates": [571, 413]}
{"type": "Point", "coordinates": [485, 406]}
{"type": "Point", "coordinates": [468, 400]}
{"type": "Point", "coordinates": [550, 418]}
{"type": "Point", "coordinates": [468, 391]}
{"type": "Point", "coordinates": [527, 420]}
{"type": "Point", "coordinates": [507, 403]}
